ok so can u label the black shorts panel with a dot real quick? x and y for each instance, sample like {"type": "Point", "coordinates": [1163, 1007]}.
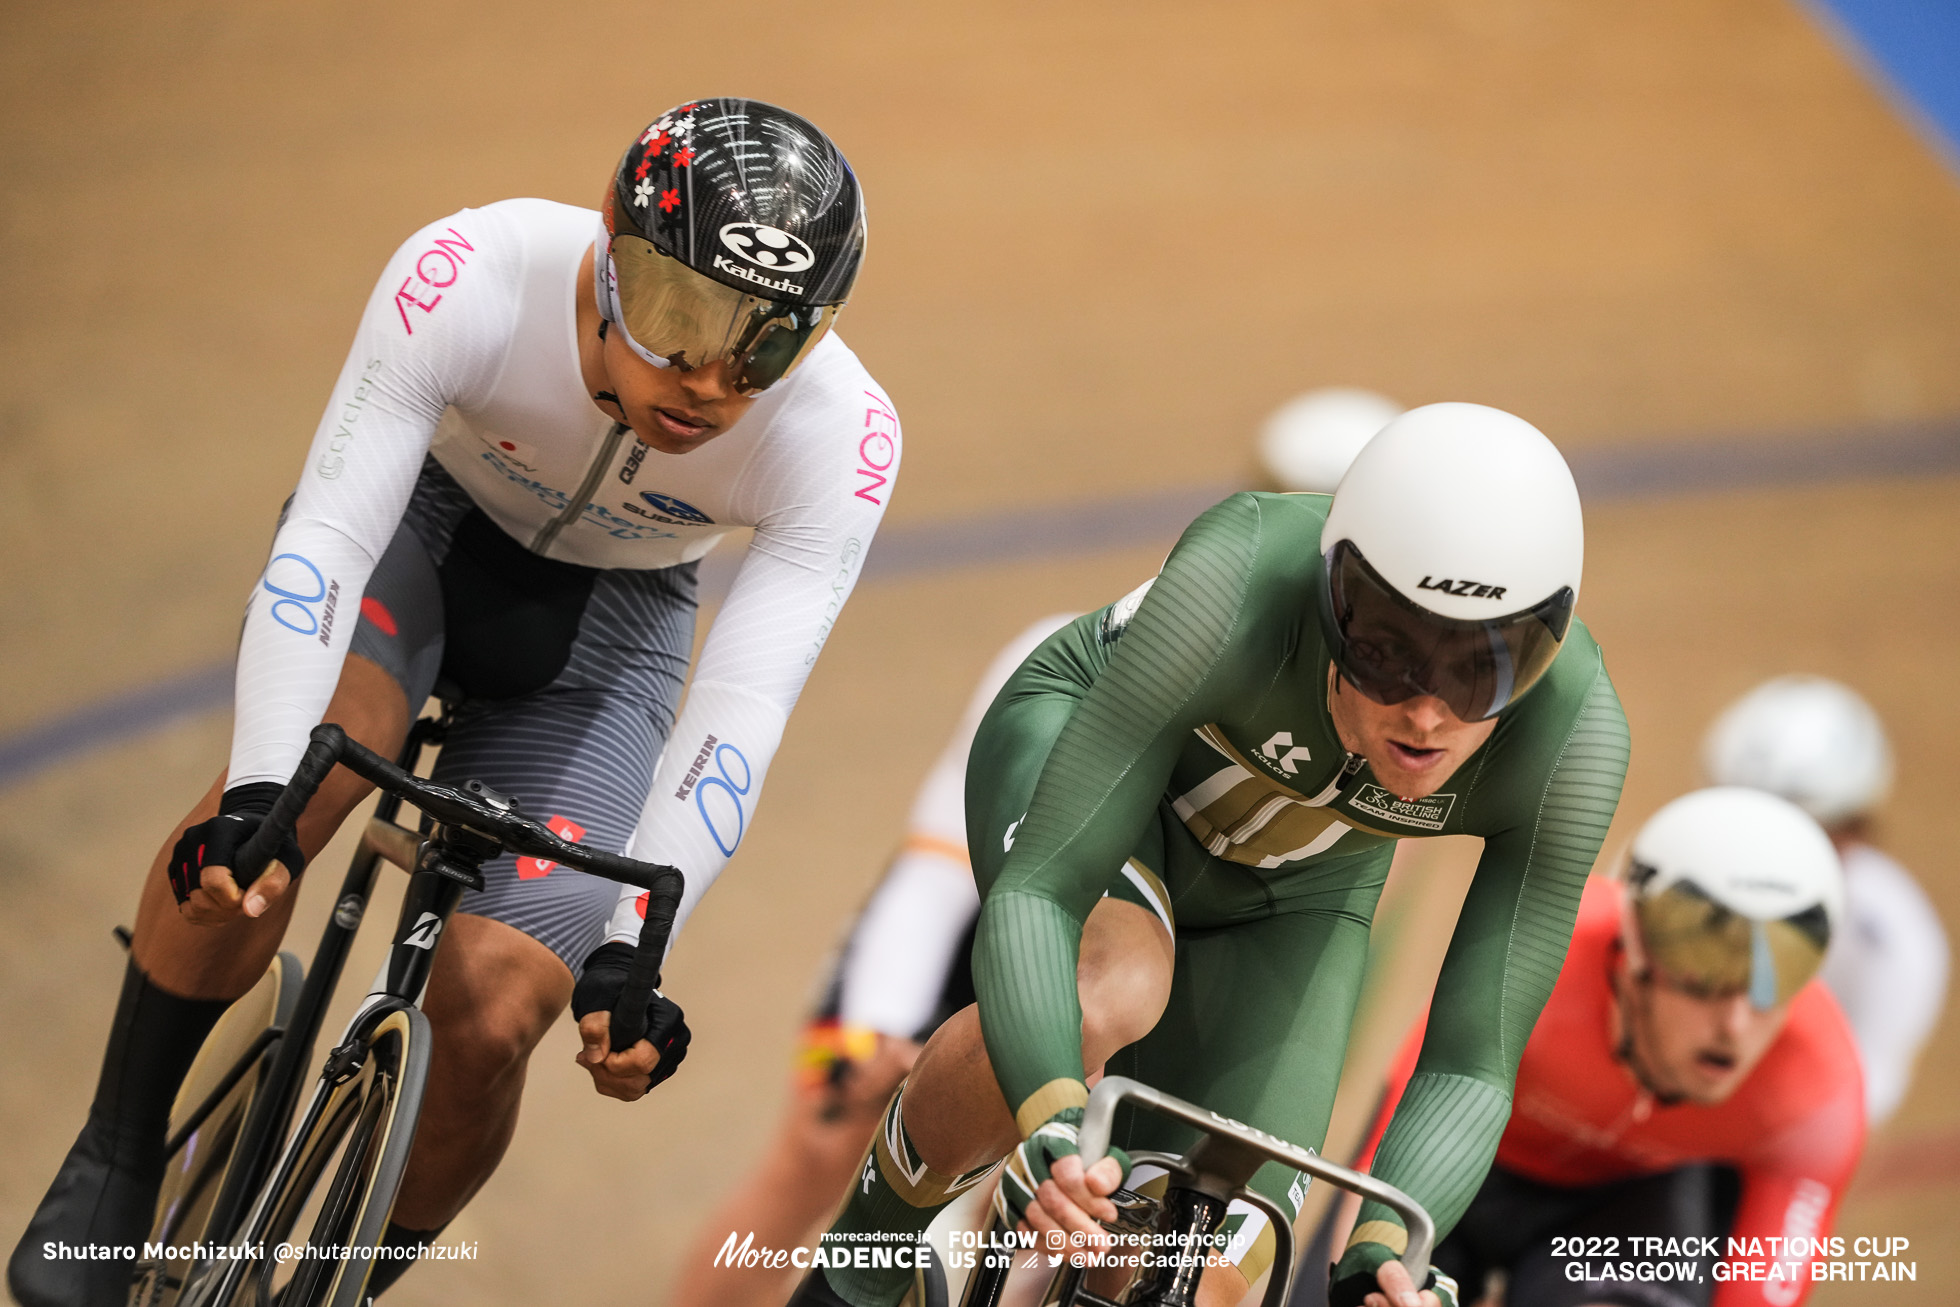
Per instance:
{"type": "Point", "coordinates": [564, 682]}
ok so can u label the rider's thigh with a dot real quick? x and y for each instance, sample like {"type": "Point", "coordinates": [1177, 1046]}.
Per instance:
{"type": "Point", "coordinates": [1255, 1030]}
{"type": "Point", "coordinates": [492, 995]}
{"type": "Point", "coordinates": [1122, 976]}
{"type": "Point", "coordinates": [224, 961]}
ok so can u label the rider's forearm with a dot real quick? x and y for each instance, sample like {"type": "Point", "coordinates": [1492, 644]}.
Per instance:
{"type": "Point", "coordinates": [1024, 963]}
{"type": "Point", "coordinates": [1438, 1148]}
{"type": "Point", "coordinates": [1504, 958]}
{"type": "Point", "coordinates": [704, 794]}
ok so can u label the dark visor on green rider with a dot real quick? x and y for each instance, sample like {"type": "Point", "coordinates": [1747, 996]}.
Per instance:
{"type": "Point", "coordinates": [1392, 650]}
{"type": "Point", "coordinates": [675, 316]}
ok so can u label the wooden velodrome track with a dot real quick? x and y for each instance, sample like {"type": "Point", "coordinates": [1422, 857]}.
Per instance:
{"type": "Point", "coordinates": [1106, 239]}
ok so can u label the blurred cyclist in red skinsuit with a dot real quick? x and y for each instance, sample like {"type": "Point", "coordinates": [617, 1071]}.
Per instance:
{"type": "Point", "coordinates": [1686, 1080]}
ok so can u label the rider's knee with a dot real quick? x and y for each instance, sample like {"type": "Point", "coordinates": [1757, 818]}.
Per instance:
{"type": "Point", "coordinates": [487, 1039]}
{"type": "Point", "coordinates": [1123, 979]}
{"type": "Point", "coordinates": [1115, 1018]}
{"type": "Point", "coordinates": [494, 994]}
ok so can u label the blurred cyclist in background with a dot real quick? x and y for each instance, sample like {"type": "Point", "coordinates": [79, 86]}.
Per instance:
{"type": "Point", "coordinates": [905, 967]}
{"type": "Point", "coordinates": [1819, 745]}
{"type": "Point", "coordinates": [1686, 1079]}
{"type": "Point", "coordinates": [1308, 442]}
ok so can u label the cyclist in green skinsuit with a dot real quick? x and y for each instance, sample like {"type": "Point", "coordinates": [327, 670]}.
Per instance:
{"type": "Point", "coordinates": [1225, 760]}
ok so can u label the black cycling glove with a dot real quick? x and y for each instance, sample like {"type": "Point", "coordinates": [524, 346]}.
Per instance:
{"type": "Point", "coordinates": [599, 989]}
{"type": "Point", "coordinates": [215, 842]}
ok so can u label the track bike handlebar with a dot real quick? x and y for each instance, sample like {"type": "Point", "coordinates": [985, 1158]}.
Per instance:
{"type": "Point", "coordinates": [1100, 1117]}
{"type": "Point", "coordinates": [516, 833]}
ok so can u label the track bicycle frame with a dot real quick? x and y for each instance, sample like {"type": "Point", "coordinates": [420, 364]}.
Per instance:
{"type": "Point", "coordinates": [467, 827]}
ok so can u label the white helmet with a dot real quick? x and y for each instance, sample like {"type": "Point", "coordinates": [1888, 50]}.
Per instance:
{"type": "Point", "coordinates": [1811, 740]}
{"type": "Point", "coordinates": [1735, 890]}
{"type": "Point", "coordinates": [1453, 551]}
{"type": "Point", "coordinates": [1308, 442]}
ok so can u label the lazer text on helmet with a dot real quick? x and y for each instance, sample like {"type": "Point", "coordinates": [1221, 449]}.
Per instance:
{"type": "Point", "coordinates": [1474, 589]}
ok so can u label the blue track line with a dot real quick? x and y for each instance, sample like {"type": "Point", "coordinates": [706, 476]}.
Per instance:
{"type": "Point", "coordinates": [1629, 472]}
{"type": "Point", "coordinates": [1913, 47]}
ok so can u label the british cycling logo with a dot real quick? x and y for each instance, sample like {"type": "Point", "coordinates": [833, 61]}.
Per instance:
{"type": "Point", "coordinates": [767, 247]}
{"type": "Point", "coordinates": [666, 508]}
{"type": "Point", "coordinates": [1425, 814]}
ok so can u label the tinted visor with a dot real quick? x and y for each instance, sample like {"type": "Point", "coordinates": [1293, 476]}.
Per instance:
{"type": "Point", "coordinates": [674, 315]}
{"type": "Point", "coordinates": [1695, 942]}
{"type": "Point", "coordinates": [1391, 649]}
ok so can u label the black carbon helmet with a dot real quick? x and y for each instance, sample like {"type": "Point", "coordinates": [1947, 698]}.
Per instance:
{"type": "Point", "coordinates": [717, 184]}
{"type": "Point", "coordinates": [732, 230]}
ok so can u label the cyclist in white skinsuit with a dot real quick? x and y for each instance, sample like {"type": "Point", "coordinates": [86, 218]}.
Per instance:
{"type": "Point", "coordinates": [1819, 744]}
{"type": "Point", "coordinates": [555, 474]}
{"type": "Point", "coordinates": [547, 416]}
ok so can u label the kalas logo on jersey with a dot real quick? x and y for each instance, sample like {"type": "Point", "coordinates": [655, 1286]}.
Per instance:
{"type": "Point", "coordinates": [1290, 760]}
{"type": "Point", "coordinates": [669, 509]}
{"type": "Point", "coordinates": [767, 247]}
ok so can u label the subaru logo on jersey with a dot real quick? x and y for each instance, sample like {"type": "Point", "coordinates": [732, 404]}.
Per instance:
{"type": "Point", "coordinates": [767, 247]}
{"type": "Point", "coordinates": [670, 509]}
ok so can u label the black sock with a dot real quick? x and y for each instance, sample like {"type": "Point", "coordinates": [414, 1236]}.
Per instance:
{"type": "Point", "coordinates": [152, 1043]}
{"type": "Point", "coordinates": [389, 1269]}
{"type": "Point", "coordinates": [106, 1189]}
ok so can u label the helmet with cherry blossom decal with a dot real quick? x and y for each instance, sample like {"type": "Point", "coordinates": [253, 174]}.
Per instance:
{"type": "Point", "coordinates": [732, 230]}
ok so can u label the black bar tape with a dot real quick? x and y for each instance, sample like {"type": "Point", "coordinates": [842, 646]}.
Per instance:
{"type": "Point", "coordinates": [629, 1018]}
{"type": "Point", "coordinates": [327, 741]}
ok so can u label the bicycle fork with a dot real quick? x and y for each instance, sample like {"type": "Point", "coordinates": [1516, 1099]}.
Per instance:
{"type": "Point", "coordinates": [447, 864]}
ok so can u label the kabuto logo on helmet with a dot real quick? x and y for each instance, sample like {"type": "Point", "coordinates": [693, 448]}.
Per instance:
{"type": "Point", "coordinates": [733, 269]}
{"type": "Point", "coordinates": [756, 204]}
{"type": "Point", "coordinates": [767, 247]}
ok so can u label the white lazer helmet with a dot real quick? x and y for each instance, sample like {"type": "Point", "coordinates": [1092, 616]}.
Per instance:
{"type": "Point", "coordinates": [1452, 557]}
{"type": "Point", "coordinates": [1308, 442]}
{"type": "Point", "coordinates": [1736, 890]}
{"type": "Point", "coordinates": [1811, 740]}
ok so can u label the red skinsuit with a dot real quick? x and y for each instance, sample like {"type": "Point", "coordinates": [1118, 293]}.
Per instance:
{"type": "Point", "coordinates": [1794, 1128]}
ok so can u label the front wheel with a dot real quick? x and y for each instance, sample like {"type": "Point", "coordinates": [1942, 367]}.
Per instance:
{"type": "Point", "coordinates": [337, 1184]}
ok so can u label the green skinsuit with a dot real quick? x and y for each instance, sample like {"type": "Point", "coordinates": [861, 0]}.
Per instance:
{"type": "Point", "coordinates": [1190, 750]}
